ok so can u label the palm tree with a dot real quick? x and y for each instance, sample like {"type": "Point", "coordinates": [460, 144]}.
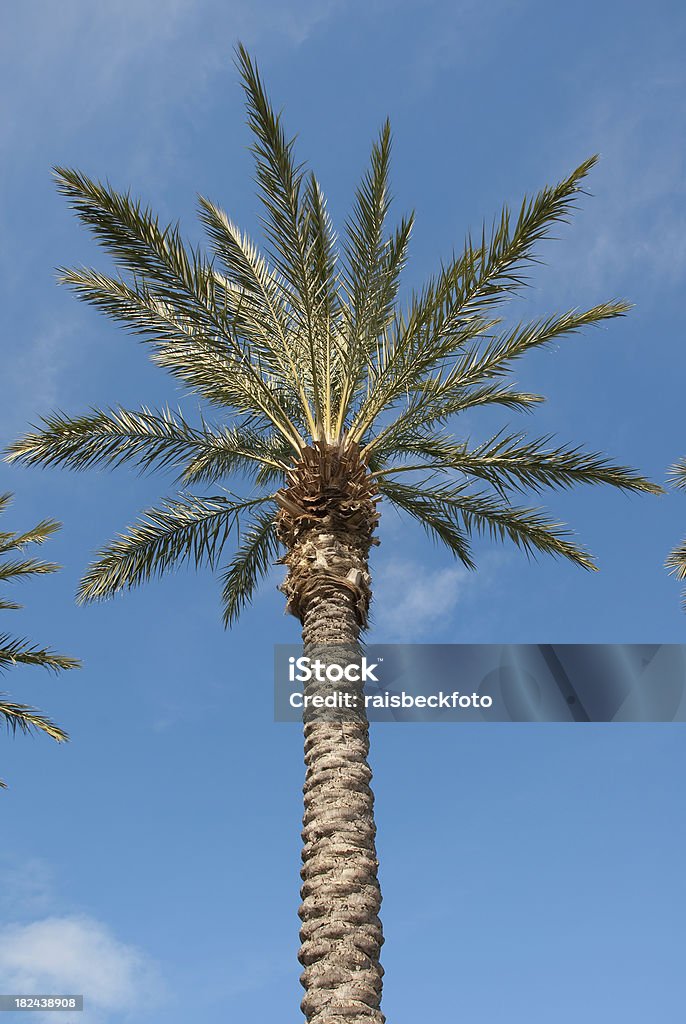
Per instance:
{"type": "Point", "coordinates": [328, 397]}
{"type": "Point", "coordinates": [15, 651]}
{"type": "Point", "coordinates": [676, 562]}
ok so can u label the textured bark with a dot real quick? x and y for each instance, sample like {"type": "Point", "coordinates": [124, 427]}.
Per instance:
{"type": "Point", "coordinates": [327, 519]}
{"type": "Point", "coordinates": [341, 932]}
{"type": "Point", "coordinates": [326, 522]}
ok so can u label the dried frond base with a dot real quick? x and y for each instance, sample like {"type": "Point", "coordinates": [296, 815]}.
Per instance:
{"type": "Point", "coordinates": [326, 520]}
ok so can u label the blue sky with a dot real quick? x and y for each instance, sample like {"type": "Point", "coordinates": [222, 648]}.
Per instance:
{"type": "Point", "coordinates": [529, 872]}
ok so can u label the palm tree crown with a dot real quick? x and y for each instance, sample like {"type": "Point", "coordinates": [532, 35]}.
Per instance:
{"type": "Point", "coordinates": [310, 359]}
{"type": "Point", "coordinates": [15, 565]}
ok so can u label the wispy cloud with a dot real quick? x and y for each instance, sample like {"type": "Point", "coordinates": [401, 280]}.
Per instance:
{"type": "Point", "coordinates": [70, 63]}
{"type": "Point", "coordinates": [415, 599]}
{"type": "Point", "coordinates": [26, 886]}
{"type": "Point", "coordinates": [631, 233]}
{"type": "Point", "coordinates": [79, 955]}
{"type": "Point", "coordinates": [411, 601]}
{"type": "Point", "coordinates": [35, 376]}
{"type": "Point", "coordinates": [459, 33]}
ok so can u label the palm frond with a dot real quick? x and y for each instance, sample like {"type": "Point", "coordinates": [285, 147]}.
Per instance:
{"type": "Point", "coordinates": [188, 528]}
{"type": "Point", "coordinates": [146, 437]}
{"type": "Point", "coordinates": [14, 651]}
{"type": "Point", "coordinates": [249, 565]}
{"type": "Point", "coordinates": [10, 541]}
{"type": "Point", "coordinates": [676, 565]}
{"type": "Point", "coordinates": [153, 440]}
{"type": "Point", "coordinates": [481, 364]}
{"type": "Point", "coordinates": [28, 719]}
{"type": "Point", "coordinates": [286, 221]}
{"type": "Point", "coordinates": [20, 568]}
{"type": "Point", "coordinates": [677, 474]}
{"type": "Point", "coordinates": [156, 257]}
{"type": "Point", "coordinates": [435, 398]}
{"type": "Point", "coordinates": [434, 406]}
{"type": "Point", "coordinates": [322, 250]}
{"type": "Point", "coordinates": [530, 529]}
{"type": "Point", "coordinates": [373, 267]}
{"type": "Point", "coordinates": [364, 246]}
{"type": "Point", "coordinates": [168, 279]}
{"type": "Point", "coordinates": [515, 462]}
{"type": "Point", "coordinates": [323, 261]}
{"type": "Point", "coordinates": [199, 345]}
{"type": "Point", "coordinates": [265, 318]}
{"type": "Point", "coordinates": [490, 272]}
{"type": "Point", "coordinates": [676, 562]}
{"type": "Point", "coordinates": [436, 520]}
{"type": "Point", "coordinates": [438, 323]}
{"type": "Point", "coordinates": [363, 350]}
{"type": "Point", "coordinates": [225, 451]}
{"type": "Point", "coordinates": [38, 535]}
{"type": "Point", "coordinates": [128, 231]}
{"type": "Point", "coordinates": [19, 651]}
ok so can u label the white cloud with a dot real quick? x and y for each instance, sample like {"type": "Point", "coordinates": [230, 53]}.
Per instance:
{"type": "Point", "coordinates": [630, 235]}
{"type": "Point", "coordinates": [64, 65]}
{"type": "Point", "coordinates": [411, 601]}
{"type": "Point", "coordinates": [26, 886]}
{"type": "Point", "coordinates": [79, 955]}
{"type": "Point", "coordinates": [34, 376]}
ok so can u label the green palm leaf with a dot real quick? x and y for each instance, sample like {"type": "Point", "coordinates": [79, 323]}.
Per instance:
{"type": "Point", "coordinates": [678, 474]}
{"type": "Point", "coordinates": [264, 317]}
{"type": "Point", "coordinates": [514, 462]}
{"type": "Point", "coordinates": [26, 719]}
{"type": "Point", "coordinates": [676, 560]}
{"type": "Point", "coordinates": [148, 438]}
{"type": "Point", "coordinates": [455, 306]}
{"type": "Point", "coordinates": [19, 651]}
{"type": "Point", "coordinates": [530, 529]}
{"type": "Point", "coordinates": [249, 565]}
{"type": "Point", "coordinates": [222, 453]}
{"type": "Point", "coordinates": [436, 397]}
{"type": "Point", "coordinates": [438, 522]}
{"type": "Point", "coordinates": [373, 267]}
{"type": "Point", "coordinates": [287, 224]}
{"type": "Point", "coordinates": [38, 535]}
{"type": "Point", "coordinates": [188, 528]}
{"type": "Point", "coordinates": [171, 288]}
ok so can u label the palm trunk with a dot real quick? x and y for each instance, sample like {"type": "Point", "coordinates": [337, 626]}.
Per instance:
{"type": "Point", "coordinates": [341, 932]}
{"type": "Point", "coordinates": [326, 522]}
